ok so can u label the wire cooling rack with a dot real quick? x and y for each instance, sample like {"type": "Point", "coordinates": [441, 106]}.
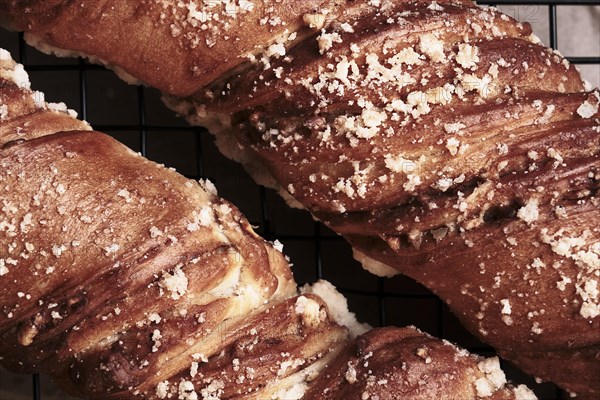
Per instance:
{"type": "Point", "coordinates": [135, 116]}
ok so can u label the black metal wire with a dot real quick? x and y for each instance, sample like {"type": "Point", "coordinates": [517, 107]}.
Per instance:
{"type": "Point", "coordinates": [318, 239]}
{"type": "Point", "coordinates": [198, 132]}
{"type": "Point", "coordinates": [142, 119]}
{"type": "Point", "coordinates": [265, 226]}
{"type": "Point", "coordinates": [553, 26]}
{"type": "Point", "coordinates": [381, 293]}
{"type": "Point", "coordinates": [22, 49]}
{"type": "Point", "coordinates": [381, 298]}
{"type": "Point", "coordinates": [82, 89]}
{"type": "Point", "coordinates": [36, 387]}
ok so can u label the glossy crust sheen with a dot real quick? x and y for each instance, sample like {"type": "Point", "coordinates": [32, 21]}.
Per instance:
{"type": "Point", "coordinates": [122, 279]}
{"type": "Point", "coordinates": [441, 139]}
{"type": "Point", "coordinates": [412, 366]}
{"type": "Point", "coordinates": [197, 54]}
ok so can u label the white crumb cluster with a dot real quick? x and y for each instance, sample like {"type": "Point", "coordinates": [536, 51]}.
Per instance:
{"type": "Point", "coordinates": [3, 268]}
{"type": "Point", "coordinates": [277, 245]}
{"type": "Point", "coordinates": [154, 318]}
{"type": "Point", "coordinates": [506, 308]}
{"type": "Point", "coordinates": [205, 23]}
{"type": "Point", "coordinates": [213, 390]}
{"type": "Point", "coordinates": [203, 218]}
{"type": "Point", "coordinates": [309, 310]}
{"type": "Point", "coordinates": [586, 254]}
{"type": "Point", "coordinates": [453, 145]}
{"type": "Point", "coordinates": [467, 56]}
{"type": "Point", "coordinates": [433, 47]}
{"type": "Point", "coordinates": [522, 392]}
{"type": "Point", "coordinates": [493, 380]}
{"type": "Point", "coordinates": [587, 109]}
{"type": "Point", "coordinates": [350, 373]}
{"type": "Point", "coordinates": [60, 108]}
{"type": "Point", "coordinates": [5, 55]}
{"type": "Point", "coordinates": [187, 390]}
{"type": "Point", "coordinates": [3, 112]}
{"type": "Point", "coordinates": [162, 389]}
{"type": "Point", "coordinates": [208, 186]}
{"type": "Point", "coordinates": [434, 6]}
{"type": "Point", "coordinates": [292, 364]}
{"type": "Point", "coordinates": [314, 20]}
{"type": "Point", "coordinates": [124, 193]}
{"type": "Point", "coordinates": [529, 212]}
{"type": "Point", "coordinates": [337, 306]}
{"type": "Point", "coordinates": [17, 74]}
{"type": "Point", "coordinates": [296, 392]}
{"type": "Point", "coordinates": [110, 249]}
{"type": "Point", "coordinates": [175, 282]}
{"type": "Point", "coordinates": [155, 232]}
{"type": "Point", "coordinates": [194, 368]}
{"type": "Point", "coordinates": [156, 336]}
{"type": "Point", "coordinates": [454, 127]}
{"type": "Point", "coordinates": [327, 39]}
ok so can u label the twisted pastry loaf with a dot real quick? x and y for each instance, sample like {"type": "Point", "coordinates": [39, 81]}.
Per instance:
{"type": "Point", "coordinates": [122, 279]}
{"type": "Point", "coordinates": [441, 139]}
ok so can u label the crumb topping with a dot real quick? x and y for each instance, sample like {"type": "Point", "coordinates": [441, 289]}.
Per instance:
{"type": "Point", "coordinates": [360, 102]}
{"type": "Point", "coordinates": [175, 282]}
{"type": "Point", "coordinates": [586, 255]}
{"type": "Point", "coordinates": [310, 311]}
{"type": "Point", "coordinates": [204, 23]}
{"type": "Point", "coordinates": [529, 212]}
{"type": "Point", "coordinates": [493, 378]}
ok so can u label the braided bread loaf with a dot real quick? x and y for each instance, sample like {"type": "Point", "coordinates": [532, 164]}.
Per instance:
{"type": "Point", "coordinates": [122, 279]}
{"type": "Point", "coordinates": [442, 140]}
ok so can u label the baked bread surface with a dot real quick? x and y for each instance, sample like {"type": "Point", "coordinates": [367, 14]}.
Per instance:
{"type": "Point", "coordinates": [442, 140]}
{"type": "Point", "coordinates": [122, 279]}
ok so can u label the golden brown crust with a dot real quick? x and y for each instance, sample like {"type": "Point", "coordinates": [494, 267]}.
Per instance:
{"type": "Point", "coordinates": [439, 138]}
{"type": "Point", "coordinates": [269, 347]}
{"type": "Point", "coordinates": [92, 244]}
{"type": "Point", "coordinates": [71, 221]}
{"type": "Point", "coordinates": [203, 41]}
{"type": "Point", "coordinates": [428, 369]}
{"type": "Point", "coordinates": [123, 280]}
{"type": "Point", "coordinates": [446, 154]}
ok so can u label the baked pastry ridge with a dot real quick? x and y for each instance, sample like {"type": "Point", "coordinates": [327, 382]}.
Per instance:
{"type": "Point", "coordinates": [443, 140]}
{"type": "Point", "coordinates": [122, 279]}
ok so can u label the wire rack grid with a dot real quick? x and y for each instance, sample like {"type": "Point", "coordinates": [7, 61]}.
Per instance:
{"type": "Point", "coordinates": [316, 251]}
